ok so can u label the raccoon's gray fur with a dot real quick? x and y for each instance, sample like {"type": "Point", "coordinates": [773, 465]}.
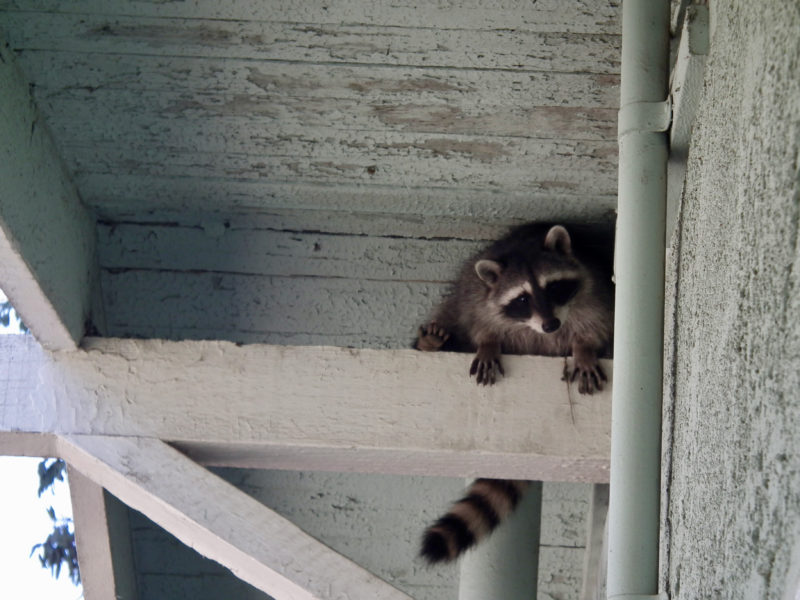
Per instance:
{"type": "Point", "coordinates": [538, 290]}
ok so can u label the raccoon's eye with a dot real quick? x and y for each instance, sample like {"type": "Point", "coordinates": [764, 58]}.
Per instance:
{"type": "Point", "coordinates": [562, 290]}
{"type": "Point", "coordinates": [519, 307]}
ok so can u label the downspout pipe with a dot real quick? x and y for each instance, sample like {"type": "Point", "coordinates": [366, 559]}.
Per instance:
{"type": "Point", "coordinates": [633, 519]}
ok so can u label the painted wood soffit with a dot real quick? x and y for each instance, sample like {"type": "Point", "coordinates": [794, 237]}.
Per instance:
{"type": "Point", "coordinates": [47, 239]}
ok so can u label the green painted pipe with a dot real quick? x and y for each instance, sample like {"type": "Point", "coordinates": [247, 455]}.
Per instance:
{"type": "Point", "coordinates": [633, 537]}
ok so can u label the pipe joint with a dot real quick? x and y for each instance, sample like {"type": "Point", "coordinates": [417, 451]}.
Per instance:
{"type": "Point", "coordinates": [644, 117]}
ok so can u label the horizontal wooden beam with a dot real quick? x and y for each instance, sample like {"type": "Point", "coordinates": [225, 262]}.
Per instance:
{"type": "Point", "coordinates": [47, 238]}
{"type": "Point", "coordinates": [220, 521]}
{"type": "Point", "coordinates": [398, 411]}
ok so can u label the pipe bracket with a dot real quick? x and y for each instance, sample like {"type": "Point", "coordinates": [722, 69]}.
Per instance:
{"type": "Point", "coordinates": [644, 117]}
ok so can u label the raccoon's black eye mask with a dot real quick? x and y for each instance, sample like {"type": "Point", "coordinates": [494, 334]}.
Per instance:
{"type": "Point", "coordinates": [561, 291]}
{"type": "Point", "coordinates": [520, 307]}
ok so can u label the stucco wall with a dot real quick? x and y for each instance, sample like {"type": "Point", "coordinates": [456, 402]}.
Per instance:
{"type": "Point", "coordinates": [732, 469]}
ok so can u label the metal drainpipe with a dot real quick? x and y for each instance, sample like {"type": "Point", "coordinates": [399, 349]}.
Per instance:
{"type": "Point", "coordinates": [633, 538]}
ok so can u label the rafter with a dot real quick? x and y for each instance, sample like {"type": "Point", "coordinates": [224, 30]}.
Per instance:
{"type": "Point", "coordinates": [47, 238]}
{"type": "Point", "coordinates": [220, 521]}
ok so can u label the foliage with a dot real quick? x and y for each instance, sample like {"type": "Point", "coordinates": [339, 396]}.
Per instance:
{"type": "Point", "coordinates": [59, 547]}
{"type": "Point", "coordinates": [7, 314]}
{"type": "Point", "coordinates": [48, 474]}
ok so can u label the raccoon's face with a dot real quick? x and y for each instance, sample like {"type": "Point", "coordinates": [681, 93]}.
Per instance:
{"type": "Point", "coordinates": [536, 286]}
{"type": "Point", "coordinates": [541, 303]}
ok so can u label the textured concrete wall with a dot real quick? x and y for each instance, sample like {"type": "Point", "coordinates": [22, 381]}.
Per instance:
{"type": "Point", "coordinates": [732, 521]}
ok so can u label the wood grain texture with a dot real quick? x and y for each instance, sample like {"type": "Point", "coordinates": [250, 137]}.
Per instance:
{"type": "Point", "coordinates": [544, 15]}
{"type": "Point", "coordinates": [514, 49]}
{"type": "Point", "coordinates": [338, 118]}
{"type": "Point", "coordinates": [285, 115]}
{"type": "Point", "coordinates": [75, 73]}
{"type": "Point", "coordinates": [247, 250]}
{"type": "Point", "coordinates": [47, 252]}
{"type": "Point", "coordinates": [251, 279]}
{"type": "Point", "coordinates": [329, 408]}
{"type": "Point", "coordinates": [139, 195]}
{"type": "Point", "coordinates": [102, 537]}
{"type": "Point", "coordinates": [277, 310]}
{"type": "Point", "coordinates": [419, 161]}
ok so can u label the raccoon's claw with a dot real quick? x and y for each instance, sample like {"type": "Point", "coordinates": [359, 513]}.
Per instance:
{"type": "Point", "coordinates": [590, 378]}
{"type": "Point", "coordinates": [431, 337]}
{"type": "Point", "coordinates": [486, 371]}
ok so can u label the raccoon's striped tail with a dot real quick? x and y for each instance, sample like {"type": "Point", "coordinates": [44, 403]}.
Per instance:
{"type": "Point", "coordinates": [486, 503]}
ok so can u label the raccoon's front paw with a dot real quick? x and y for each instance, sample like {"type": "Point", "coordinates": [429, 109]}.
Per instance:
{"type": "Point", "coordinates": [590, 377]}
{"type": "Point", "coordinates": [486, 369]}
{"type": "Point", "coordinates": [431, 337]}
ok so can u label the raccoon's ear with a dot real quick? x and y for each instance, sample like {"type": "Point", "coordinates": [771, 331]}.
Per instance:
{"type": "Point", "coordinates": [488, 270]}
{"type": "Point", "coordinates": [558, 240]}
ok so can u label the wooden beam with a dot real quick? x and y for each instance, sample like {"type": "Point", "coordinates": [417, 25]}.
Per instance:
{"type": "Point", "coordinates": [220, 521]}
{"type": "Point", "coordinates": [325, 408]}
{"type": "Point", "coordinates": [17, 443]}
{"type": "Point", "coordinates": [47, 238]}
{"type": "Point", "coordinates": [102, 535]}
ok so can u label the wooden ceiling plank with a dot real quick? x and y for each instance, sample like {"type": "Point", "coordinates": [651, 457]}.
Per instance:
{"type": "Point", "coordinates": [80, 75]}
{"type": "Point", "coordinates": [76, 115]}
{"type": "Point", "coordinates": [511, 49]}
{"type": "Point", "coordinates": [585, 16]}
{"type": "Point", "coordinates": [587, 201]}
{"type": "Point", "coordinates": [418, 160]}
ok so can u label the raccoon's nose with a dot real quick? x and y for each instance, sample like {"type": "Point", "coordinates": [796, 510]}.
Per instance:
{"type": "Point", "coordinates": [551, 325]}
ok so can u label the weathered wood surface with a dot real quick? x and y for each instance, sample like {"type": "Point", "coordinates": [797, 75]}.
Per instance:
{"type": "Point", "coordinates": [389, 97]}
{"type": "Point", "coordinates": [464, 161]}
{"type": "Point", "coordinates": [79, 75]}
{"type": "Point", "coordinates": [48, 266]}
{"type": "Point", "coordinates": [385, 44]}
{"type": "Point", "coordinates": [212, 121]}
{"type": "Point", "coordinates": [314, 408]}
{"type": "Point", "coordinates": [271, 309]}
{"type": "Point", "coordinates": [543, 15]}
{"type": "Point", "coordinates": [478, 114]}
{"type": "Point", "coordinates": [252, 250]}
{"type": "Point", "coordinates": [103, 540]}
{"type": "Point", "coordinates": [129, 197]}
{"type": "Point", "coordinates": [252, 279]}
{"type": "Point", "coordinates": [221, 522]}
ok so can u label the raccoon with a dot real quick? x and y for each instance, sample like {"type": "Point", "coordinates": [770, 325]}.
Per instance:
{"type": "Point", "coordinates": [538, 290]}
